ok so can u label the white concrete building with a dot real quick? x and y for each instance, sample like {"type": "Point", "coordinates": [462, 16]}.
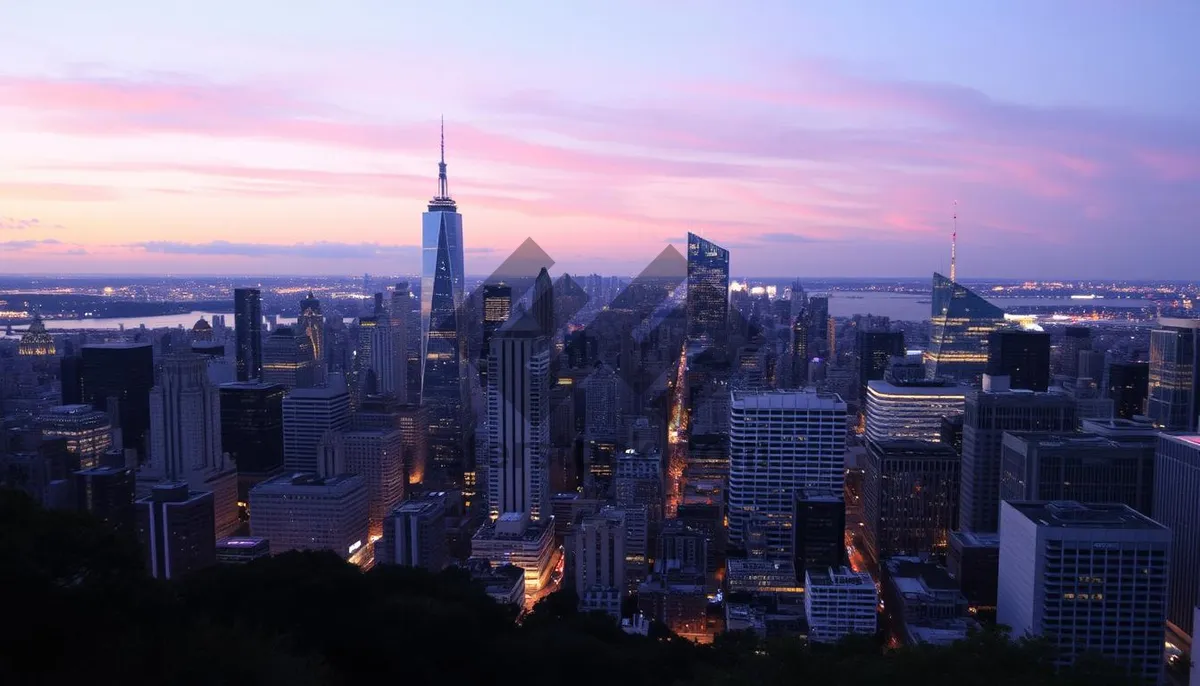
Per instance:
{"type": "Point", "coordinates": [308, 512]}
{"type": "Point", "coordinates": [911, 410]}
{"type": "Point", "coordinates": [838, 603]}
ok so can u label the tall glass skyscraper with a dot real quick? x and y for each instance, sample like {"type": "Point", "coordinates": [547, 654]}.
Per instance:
{"type": "Point", "coordinates": [960, 325]}
{"type": "Point", "coordinates": [707, 292]}
{"type": "Point", "coordinates": [247, 329]}
{"type": "Point", "coordinates": [443, 345]}
{"type": "Point", "coordinates": [1174, 388]}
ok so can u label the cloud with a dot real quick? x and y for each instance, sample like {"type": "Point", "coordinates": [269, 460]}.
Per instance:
{"type": "Point", "coordinates": [57, 192]}
{"type": "Point", "coordinates": [18, 246]}
{"type": "Point", "coordinates": [317, 250]}
{"type": "Point", "coordinates": [780, 237]}
{"type": "Point", "coordinates": [14, 224]}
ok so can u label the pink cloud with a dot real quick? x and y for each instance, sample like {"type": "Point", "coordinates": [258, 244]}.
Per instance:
{"type": "Point", "coordinates": [58, 192]}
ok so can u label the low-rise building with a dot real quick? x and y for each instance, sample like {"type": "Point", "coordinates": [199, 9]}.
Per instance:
{"type": "Point", "coordinates": [839, 602]}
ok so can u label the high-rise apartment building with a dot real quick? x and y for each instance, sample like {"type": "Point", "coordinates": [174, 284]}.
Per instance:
{"type": "Point", "coordinates": [898, 409]}
{"type": "Point", "coordinates": [247, 332]}
{"type": "Point", "coordinates": [175, 528]}
{"type": "Point", "coordinates": [88, 431]}
{"type": "Point", "coordinates": [960, 324]}
{"type": "Point", "coordinates": [910, 497]}
{"type": "Point", "coordinates": [288, 359]}
{"type": "Point", "coordinates": [443, 343]}
{"type": "Point", "coordinates": [414, 535]}
{"type": "Point", "coordinates": [1077, 466]}
{"type": "Point", "coordinates": [122, 373]}
{"type": "Point", "coordinates": [185, 436]}
{"type": "Point", "coordinates": [519, 421]}
{"type": "Point", "coordinates": [989, 414]}
{"type": "Point", "coordinates": [308, 413]}
{"type": "Point", "coordinates": [707, 292]}
{"type": "Point", "coordinates": [1089, 578]}
{"type": "Point", "coordinates": [839, 602]}
{"type": "Point", "coordinates": [1177, 507]}
{"type": "Point", "coordinates": [1173, 400]}
{"type": "Point", "coordinates": [311, 512]}
{"type": "Point", "coordinates": [1022, 356]}
{"type": "Point", "coordinates": [497, 307]}
{"type": "Point", "coordinates": [779, 443]}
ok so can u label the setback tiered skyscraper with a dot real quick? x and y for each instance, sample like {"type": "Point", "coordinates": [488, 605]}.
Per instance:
{"type": "Point", "coordinates": [707, 292]}
{"type": "Point", "coordinates": [960, 325]}
{"type": "Point", "coordinates": [443, 345]}
{"type": "Point", "coordinates": [247, 323]}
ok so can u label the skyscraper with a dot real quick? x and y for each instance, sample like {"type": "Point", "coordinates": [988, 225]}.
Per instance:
{"type": "Point", "coordinates": [1176, 483]}
{"type": "Point", "coordinates": [175, 529]}
{"type": "Point", "coordinates": [414, 535]}
{"type": "Point", "coordinates": [288, 359]}
{"type": "Point", "coordinates": [311, 512]}
{"type": "Point", "coordinates": [960, 324]}
{"type": "Point", "coordinates": [311, 325]}
{"type": "Point", "coordinates": [1077, 466]}
{"type": "Point", "coordinates": [818, 326]}
{"type": "Point", "coordinates": [121, 373]}
{"type": "Point", "coordinates": [543, 303]}
{"type": "Point", "coordinates": [1076, 339]}
{"type": "Point", "coordinates": [307, 414]}
{"type": "Point", "coordinates": [252, 430]}
{"type": "Point", "coordinates": [185, 436]}
{"type": "Point", "coordinates": [377, 455]}
{"type": "Point", "coordinates": [989, 413]}
{"type": "Point", "coordinates": [1022, 356]}
{"type": "Point", "coordinates": [88, 431]}
{"type": "Point", "coordinates": [780, 443]}
{"type": "Point", "coordinates": [1128, 386]}
{"type": "Point", "coordinates": [1088, 578]}
{"type": "Point", "coordinates": [247, 323]}
{"type": "Point", "coordinates": [707, 292]}
{"type": "Point", "coordinates": [443, 344]}
{"type": "Point", "coordinates": [1174, 386]}
{"type": "Point", "coordinates": [875, 352]}
{"type": "Point", "coordinates": [911, 409]}
{"type": "Point", "coordinates": [910, 497]}
{"type": "Point", "coordinates": [519, 421]}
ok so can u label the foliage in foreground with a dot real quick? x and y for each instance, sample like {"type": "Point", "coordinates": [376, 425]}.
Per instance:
{"type": "Point", "coordinates": [79, 608]}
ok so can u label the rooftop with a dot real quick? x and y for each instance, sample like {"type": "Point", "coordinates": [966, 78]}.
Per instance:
{"type": "Point", "coordinates": [970, 539]}
{"type": "Point", "coordinates": [913, 575]}
{"type": "Point", "coordinates": [937, 388]}
{"type": "Point", "coordinates": [291, 482]}
{"type": "Point", "coordinates": [1069, 514]}
{"type": "Point", "coordinates": [832, 576]}
{"type": "Point", "coordinates": [908, 447]}
{"type": "Point", "coordinates": [787, 400]}
{"type": "Point", "coordinates": [249, 386]}
{"type": "Point", "coordinates": [116, 345]}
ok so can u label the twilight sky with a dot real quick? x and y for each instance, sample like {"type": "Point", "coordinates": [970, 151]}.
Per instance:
{"type": "Point", "coordinates": [809, 138]}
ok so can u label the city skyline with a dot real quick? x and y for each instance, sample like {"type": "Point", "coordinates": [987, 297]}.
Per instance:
{"type": "Point", "coordinates": [818, 143]}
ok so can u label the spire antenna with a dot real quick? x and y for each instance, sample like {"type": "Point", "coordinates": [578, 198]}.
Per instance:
{"type": "Point", "coordinates": [443, 184]}
{"type": "Point", "coordinates": [954, 246]}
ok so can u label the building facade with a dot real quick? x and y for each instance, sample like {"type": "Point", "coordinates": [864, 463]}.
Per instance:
{"type": "Point", "coordinates": [1177, 507]}
{"type": "Point", "coordinates": [247, 330]}
{"type": "Point", "coordinates": [839, 602]}
{"type": "Point", "coordinates": [911, 409]}
{"type": "Point", "coordinates": [414, 535]}
{"type": "Point", "coordinates": [910, 497]}
{"type": "Point", "coordinates": [310, 512]}
{"type": "Point", "coordinates": [519, 422]}
{"type": "Point", "coordinates": [308, 414]}
{"type": "Point", "coordinates": [1173, 400]}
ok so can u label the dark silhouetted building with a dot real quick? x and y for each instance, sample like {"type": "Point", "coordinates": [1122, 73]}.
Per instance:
{"type": "Point", "coordinates": [875, 351]}
{"type": "Point", "coordinates": [974, 560]}
{"type": "Point", "coordinates": [124, 372]}
{"type": "Point", "coordinates": [247, 323]}
{"type": "Point", "coordinates": [176, 529]}
{"type": "Point", "coordinates": [1176, 506]}
{"type": "Point", "coordinates": [707, 292]}
{"type": "Point", "coordinates": [910, 495]}
{"type": "Point", "coordinates": [1128, 384]}
{"type": "Point", "coordinates": [238, 550]}
{"type": "Point", "coordinates": [820, 529]}
{"type": "Point", "coordinates": [252, 430]}
{"type": "Point", "coordinates": [107, 493]}
{"type": "Point", "coordinates": [288, 359]}
{"type": "Point", "coordinates": [1077, 466]}
{"type": "Point", "coordinates": [1076, 339]}
{"type": "Point", "coordinates": [1022, 356]}
{"type": "Point", "coordinates": [414, 535]}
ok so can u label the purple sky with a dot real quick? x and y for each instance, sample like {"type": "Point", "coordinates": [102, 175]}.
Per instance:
{"type": "Point", "coordinates": [811, 139]}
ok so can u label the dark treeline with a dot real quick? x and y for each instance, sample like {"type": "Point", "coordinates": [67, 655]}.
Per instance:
{"type": "Point", "coordinates": [79, 609]}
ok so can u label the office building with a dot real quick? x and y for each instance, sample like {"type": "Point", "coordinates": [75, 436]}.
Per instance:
{"type": "Point", "coordinates": [1128, 386]}
{"type": "Point", "coordinates": [875, 351]}
{"type": "Point", "coordinates": [543, 303]}
{"type": "Point", "coordinates": [514, 539]}
{"type": "Point", "coordinates": [910, 496]}
{"type": "Point", "coordinates": [1076, 339]}
{"type": "Point", "coordinates": [911, 409]}
{"type": "Point", "coordinates": [414, 535]}
{"type": "Point", "coordinates": [106, 492]}
{"type": "Point", "coordinates": [288, 359]}
{"type": "Point", "coordinates": [504, 584]}
{"type": "Point", "coordinates": [1173, 399]}
{"type": "Point", "coordinates": [961, 323]}
{"type": "Point", "coordinates": [974, 561]}
{"type": "Point", "coordinates": [497, 307]}
{"type": "Point", "coordinates": [1089, 578]}
{"type": "Point", "coordinates": [820, 529]}
{"type": "Point", "coordinates": [238, 550]}
{"type": "Point", "coordinates": [762, 577]}
{"type": "Point", "coordinates": [923, 603]}
{"type": "Point", "coordinates": [1022, 356]}
{"type": "Point", "coordinates": [308, 413]}
{"type": "Point", "coordinates": [818, 327]}
{"type": "Point", "coordinates": [311, 325]}
{"type": "Point", "coordinates": [1077, 466]}
{"type": "Point", "coordinates": [310, 512]}
{"type": "Point", "coordinates": [185, 436]}
{"type": "Point", "coordinates": [443, 343]}
{"type": "Point", "coordinates": [247, 332]}
{"type": "Point", "coordinates": [252, 429]}
{"type": "Point", "coordinates": [989, 413]}
{"type": "Point", "coordinates": [707, 292]}
{"type": "Point", "coordinates": [598, 559]}
{"type": "Point", "coordinates": [1177, 507]}
{"type": "Point", "coordinates": [779, 444]}
{"type": "Point", "coordinates": [519, 421]}
{"type": "Point", "coordinates": [682, 550]}
{"type": "Point", "coordinates": [377, 456]}
{"type": "Point", "coordinates": [122, 373]}
{"type": "Point", "coordinates": [88, 431]}
{"type": "Point", "coordinates": [839, 602]}
{"type": "Point", "coordinates": [175, 528]}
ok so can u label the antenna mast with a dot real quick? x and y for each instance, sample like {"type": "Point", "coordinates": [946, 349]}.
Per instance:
{"type": "Point", "coordinates": [954, 246]}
